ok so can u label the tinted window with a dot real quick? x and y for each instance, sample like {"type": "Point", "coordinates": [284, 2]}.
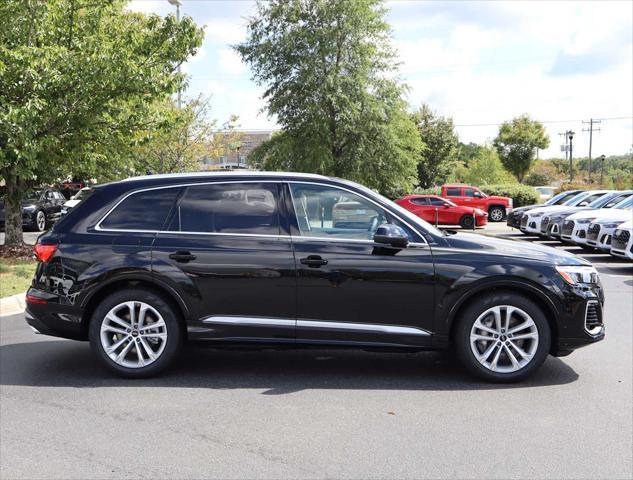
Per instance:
{"type": "Point", "coordinates": [229, 208]}
{"type": "Point", "coordinates": [331, 212]}
{"type": "Point", "coordinates": [561, 198]}
{"type": "Point", "coordinates": [420, 201]}
{"type": "Point", "coordinates": [438, 202]}
{"type": "Point", "coordinates": [469, 192]}
{"type": "Point", "coordinates": [592, 198]}
{"type": "Point", "coordinates": [453, 192]}
{"type": "Point", "coordinates": [142, 211]}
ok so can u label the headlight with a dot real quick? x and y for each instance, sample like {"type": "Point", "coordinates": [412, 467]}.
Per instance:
{"type": "Point", "coordinates": [536, 215]}
{"type": "Point", "coordinates": [29, 208]}
{"type": "Point", "coordinates": [610, 225]}
{"type": "Point", "coordinates": [578, 275]}
{"type": "Point", "coordinates": [582, 221]}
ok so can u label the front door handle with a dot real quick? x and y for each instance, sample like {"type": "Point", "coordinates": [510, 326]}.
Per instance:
{"type": "Point", "coordinates": [313, 261]}
{"type": "Point", "coordinates": [182, 256]}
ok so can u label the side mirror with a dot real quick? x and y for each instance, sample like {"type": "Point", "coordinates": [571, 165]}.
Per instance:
{"type": "Point", "coordinates": [392, 235]}
{"type": "Point", "coordinates": [446, 205]}
{"type": "Point", "coordinates": [583, 204]}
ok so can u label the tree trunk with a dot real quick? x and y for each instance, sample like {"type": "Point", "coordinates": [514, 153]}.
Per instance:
{"type": "Point", "coordinates": [13, 210]}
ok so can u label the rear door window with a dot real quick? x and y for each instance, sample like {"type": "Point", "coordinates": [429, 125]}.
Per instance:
{"type": "Point", "coordinates": [246, 208]}
{"type": "Point", "coordinates": [420, 201]}
{"type": "Point", "coordinates": [453, 192]}
{"type": "Point", "coordinates": [142, 211]}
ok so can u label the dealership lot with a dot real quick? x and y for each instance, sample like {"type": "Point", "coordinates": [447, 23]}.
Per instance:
{"type": "Point", "coordinates": [316, 414]}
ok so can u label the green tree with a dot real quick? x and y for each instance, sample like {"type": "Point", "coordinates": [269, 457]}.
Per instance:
{"type": "Point", "coordinates": [517, 142]}
{"type": "Point", "coordinates": [180, 138]}
{"type": "Point", "coordinates": [439, 157]}
{"type": "Point", "coordinates": [485, 169]}
{"type": "Point", "coordinates": [328, 70]}
{"type": "Point", "coordinates": [468, 151]}
{"type": "Point", "coordinates": [77, 81]}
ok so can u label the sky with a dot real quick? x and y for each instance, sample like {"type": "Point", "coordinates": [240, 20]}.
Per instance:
{"type": "Point", "coordinates": [480, 63]}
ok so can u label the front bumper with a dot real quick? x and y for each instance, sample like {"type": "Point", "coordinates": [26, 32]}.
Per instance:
{"type": "Point", "coordinates": [533, 225]}
{"type": "Point", "coordinates": [622, 243]}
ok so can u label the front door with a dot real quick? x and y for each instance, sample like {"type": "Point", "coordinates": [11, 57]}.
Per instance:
{"type": "Point", "coordinates": [351, 290]}
{"type": "Point", "coordinates": [232, 258]}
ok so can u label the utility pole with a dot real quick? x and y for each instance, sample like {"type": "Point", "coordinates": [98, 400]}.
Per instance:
{"type": "Point", "coordinates": [177, 4]}
{"type": "Point", "coordinates": [591, 123]}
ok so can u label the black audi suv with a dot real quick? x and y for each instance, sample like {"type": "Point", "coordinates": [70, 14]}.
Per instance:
{"type": "Point", "coordinates": [149, 264]}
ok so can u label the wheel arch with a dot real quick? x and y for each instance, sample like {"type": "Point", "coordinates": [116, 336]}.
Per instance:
{"type": "Point", "coordinates": [525, 289]}
{"type": "Point", "coordinates": [147, 283]}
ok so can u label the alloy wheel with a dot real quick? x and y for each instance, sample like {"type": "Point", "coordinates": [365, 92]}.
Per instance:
{"type": "Point", "coordinates": [504, 339]}
{"type": "Point", "coordinates": [133, 334]}
{"type": "Point", "coordinates": [496, 215]}
{"type": "Point", "coordinates": [40, 221]}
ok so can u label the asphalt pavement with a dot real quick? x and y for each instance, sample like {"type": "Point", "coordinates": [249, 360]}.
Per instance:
{"type": "Point", "coordinates": [319, 414]}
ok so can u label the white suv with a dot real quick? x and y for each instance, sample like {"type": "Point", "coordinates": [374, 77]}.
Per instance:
{"type": "Point", "coordinates": [622, 241]}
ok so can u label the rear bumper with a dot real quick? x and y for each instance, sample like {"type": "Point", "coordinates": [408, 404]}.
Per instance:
{"type": "Point", "coordinates": [53, 317]}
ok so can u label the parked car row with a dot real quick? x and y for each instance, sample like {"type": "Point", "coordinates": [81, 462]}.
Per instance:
{"type": "Point", "coordinates": [593, 220]}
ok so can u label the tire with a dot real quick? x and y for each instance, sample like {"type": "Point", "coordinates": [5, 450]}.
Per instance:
{"type": "Point", "coordinates": [164, 341]}
{"type": "Point", "coordinates": [35, 222]}
{"type": "Point", "coordinates": [496, 214]}
{"type": "Point", "coordinates": [467, 222]}
{"type": "Point", "coordinates": [505, 370]}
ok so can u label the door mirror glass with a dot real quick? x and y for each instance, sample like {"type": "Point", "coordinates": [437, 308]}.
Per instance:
{"type": "Point", "coordinates": [390, 234]}
{"type": "Point", "coordinates": [583, 204]}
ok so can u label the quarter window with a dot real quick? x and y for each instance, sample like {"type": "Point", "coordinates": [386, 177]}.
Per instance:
{"type": "Point", "coordinates": [142, 211]}
{"type": "Point", "coordinates": [250, 208]}
{"type": "Point", "coordinates": [420, 201]}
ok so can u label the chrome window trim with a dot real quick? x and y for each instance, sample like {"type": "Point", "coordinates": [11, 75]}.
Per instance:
{"type": "Point", "coordinates": [99, 228]}
{"type": "Point", "coordinates": [322, 324]}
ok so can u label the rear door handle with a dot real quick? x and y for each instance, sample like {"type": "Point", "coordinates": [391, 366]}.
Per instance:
{"type": "Point", "coordinates": [182, 256]}
{"type": "Point", "coordinates": [313, 261]}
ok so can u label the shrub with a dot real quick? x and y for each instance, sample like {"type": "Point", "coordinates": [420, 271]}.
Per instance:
{"type": "Point", "coordinates": [520, 194]}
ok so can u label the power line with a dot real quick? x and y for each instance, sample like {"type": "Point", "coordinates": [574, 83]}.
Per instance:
{"type": "Point", "coordinates": [541, 121]}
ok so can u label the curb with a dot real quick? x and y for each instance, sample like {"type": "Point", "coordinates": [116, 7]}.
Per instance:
{"type": "Point", "coordinates": [12, 305]}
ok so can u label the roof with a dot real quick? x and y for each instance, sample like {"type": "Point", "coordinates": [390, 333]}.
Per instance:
{"type": "Point", "coordinates": [228, 173]}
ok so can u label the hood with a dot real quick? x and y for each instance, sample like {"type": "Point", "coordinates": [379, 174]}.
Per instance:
{"type": "Point", "coordinates": [525, 208]}
{"type": "Point", "coordinates": [513, 248]}
{"type": "Point", "coordinates": [504, 200]}
{"type": "Point", "coordinates": [609, 214]}
{"type": "Point", "coordinates": [557, 210]}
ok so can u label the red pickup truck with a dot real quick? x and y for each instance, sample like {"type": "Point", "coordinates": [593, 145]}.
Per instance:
{"type": "Point", "coordinates": [467, 196]}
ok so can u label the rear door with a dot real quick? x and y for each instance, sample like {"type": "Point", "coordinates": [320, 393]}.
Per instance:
{"type": "Point", "coordinates": [422, 208]}
{"type": "Point", "coordinates": [227, 249]}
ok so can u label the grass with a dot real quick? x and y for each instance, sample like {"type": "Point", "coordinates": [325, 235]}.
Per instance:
{"type": "Point", "coordinates": [15, 276]}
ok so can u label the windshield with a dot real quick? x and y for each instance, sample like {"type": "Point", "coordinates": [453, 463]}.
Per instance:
{"type": "Point", "coordinates": [33, 196]}
{"type": "Point", "coordinates": [562, 196]}
{"type": "Point", "coordinates": [624, 204]}
{"type": "Point", "coordinates": [583, 196]}
{"type": "Point", "coordinates": [603, 200]}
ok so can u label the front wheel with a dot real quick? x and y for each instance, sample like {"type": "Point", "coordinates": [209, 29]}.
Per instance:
{"type": "Point", "coordinates": [496, 214]}
{"type": "Point", "coordinates": [467, 222]}
{"type": "Point", "coordinates": [135, 333]}
{"type": "Point", "coordinates": [502, 337]}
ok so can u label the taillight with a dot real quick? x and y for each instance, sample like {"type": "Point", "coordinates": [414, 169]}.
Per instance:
{"type": "Point", "coordinates": [44, 252]}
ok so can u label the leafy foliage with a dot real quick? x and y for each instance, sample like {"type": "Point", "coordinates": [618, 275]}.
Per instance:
{"type": "Point", "coordinates": [468, 151]}
{"type": "Point", "coordinates": [78, 82]}
{"type": "Point", "coordinates": [517, 142]}
{"type": "Point", "coordinates": [327, 67]}
{"type": "Point", "coordinates": [180, 137]}
{"type": "Point", "coordinates": [521, 194]}
{"type": "Point", "coordinates": [485, 168]}
{"type": "Point", "coordinates": [439, 157]}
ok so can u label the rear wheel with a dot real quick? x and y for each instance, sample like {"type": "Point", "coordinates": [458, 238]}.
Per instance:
{"type": "Point", "coordinates": [135, 333]}
{"type": "Point", "coordinates": [496, 214]}
{"type": "Point", "coordinates": [467, 221]}
{"type": "Point", "coordinates": [502, 337]}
